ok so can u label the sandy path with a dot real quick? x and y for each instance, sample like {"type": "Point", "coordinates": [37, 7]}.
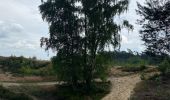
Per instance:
{"type": "Point", "coordinates": [122, 87]}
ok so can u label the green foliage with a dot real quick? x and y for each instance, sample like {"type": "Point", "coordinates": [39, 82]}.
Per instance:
{"type": "Point", "coordinates": [137, 61]}
{"type": "Point", "coordinates": [78, 33]}
{"type": "Point", "coordinates": [155, 77]}
{"type": "Point", "coordinates": [122, 58]}
{"type": "Point", "coordinates": [134, 64]}
{"type": "Point", "coordinates": [64, 91]}
{"type": "Point", "coordinates": [134, 68]}
{"type": "Point", "coordinates": [26, 66]}
{"type": "Point", "coordinates": [102, 67]}
{"type": "Point", "coordinates": [65, 37]}
{"type": "Point", "coordinates": [98, 91]}
{"type": "Point", "coordinates": [128, 61]}
{"type": "Point", "coordinates": [155, 22]}
{"type": "Point", "coordinates": [67, 71]}
{"type": "Point", "coordinates": [9, 95]}
{"type": "Point", "coordinates": [14, 64]}
{"type": "Point", "coordinates": [28, 71]}
{"type": "Point", "coordinates": [142, 76]}
{"type": "Point", "coordinates": [164, 67]}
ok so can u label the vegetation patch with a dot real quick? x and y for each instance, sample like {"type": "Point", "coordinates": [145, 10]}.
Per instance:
{"type": "Point", "coordinates": [9, 95]}
{"type": "Point", "coordinates": [164, 67]}
{"type": "Point", "coordinates": [99, 91]}
{"type": "Point", "coordinates": [155, 86]}
{"type": "Point", "coordinates": [134, 68]}
{"type": "Point", "coordinates": [65, 92]}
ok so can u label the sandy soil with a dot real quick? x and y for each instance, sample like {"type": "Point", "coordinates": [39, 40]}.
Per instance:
{"type": "Point", "coordinates": [122, 87]}
{"type": "Point", "coordinates": [9, 84]}
{"type": "Point", "coordinates": [7, 77]}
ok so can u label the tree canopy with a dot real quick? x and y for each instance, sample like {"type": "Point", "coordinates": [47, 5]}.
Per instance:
{"type": "Point", "coordinates": [79, 29]}
{"type": "Point", "coordinates": [155, 23]}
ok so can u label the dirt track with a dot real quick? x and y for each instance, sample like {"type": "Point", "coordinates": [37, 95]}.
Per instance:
{"type": "Point", "coordinates": [122, 87]}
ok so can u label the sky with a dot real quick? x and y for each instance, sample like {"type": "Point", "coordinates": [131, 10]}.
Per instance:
{"type": "Point", "coordinates": [21, 28]}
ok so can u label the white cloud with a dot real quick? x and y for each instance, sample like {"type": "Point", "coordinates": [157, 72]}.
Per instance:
{"type": "Point", "coordinates": [131, 40]}
{"type": "Point", "coordinates": [8, 29]}
{"type": "Point", "coordinates": [24, 44]}
{"type": "Point", "coordinates": [21, 28]}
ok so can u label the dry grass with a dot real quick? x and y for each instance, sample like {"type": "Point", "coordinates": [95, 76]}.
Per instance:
{"type": "Point", "coordinates": [10, 78]}
{"type": "Point", "coordinates": [62, 92]}
{"type": "Point", "coordinates": [154, 88]}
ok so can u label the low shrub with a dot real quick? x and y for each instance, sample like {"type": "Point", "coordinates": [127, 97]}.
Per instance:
{"type": "Point", "coordinates": [28, 71]}
{"type": "Point", "coordinates": [152, 89]}
{"type": "Point", "coordinates": [142, 76]}
{"type": "Point", "coordinates": [134, 68]}
{"type": "Point", "coordinates": [99, 90]}
{"type": "Point", "coordinates": [13, 63]}
{"type": "Point", "coordinates": [143, 67]}
{"type": "Point", "coordinates": [164, 67]}
{"type": "Point", "coordinates": [155, 77]}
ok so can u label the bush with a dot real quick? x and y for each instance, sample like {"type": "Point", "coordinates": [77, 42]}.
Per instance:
{"type": "Point", "coordinates": [98, 91]}
{"type": "Point", "coordinates": [143, 67]}
{"type": "Point", "coordinates": [142, 76]}
{"type": "Point", "coordinates": [155, 77]}
{"type": "Point", "coordinates": [28, 71]}
{"type": "Point", "coordinates": [164, 67]}
{"type": "Point", "coordinates": [134, 68]}
{"type": "Point", "coordinates": [13, 64]}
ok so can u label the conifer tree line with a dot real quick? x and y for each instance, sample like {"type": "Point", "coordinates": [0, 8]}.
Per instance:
{"type": "Point", "coordinates": [79, 30]}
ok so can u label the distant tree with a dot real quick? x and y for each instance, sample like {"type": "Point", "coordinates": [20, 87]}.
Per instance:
{"type": "Point", "coordinates": [79, 29]}
{"type": "Point", "coordinates": [155, 26]}
{"type": "Point", "coordinates": [34, 58]}
{"type": "Point", "coordinates": [130, 51]}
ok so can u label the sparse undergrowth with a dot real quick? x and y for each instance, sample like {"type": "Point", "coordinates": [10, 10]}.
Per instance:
{"type": "Point", "coordinates": [164, 67]}
{"type": "Point", "coordinates": [65, 92]}
{"type": "Point", "coordinates": [9, 95]}
{"type": "Point", "coordinates": [156, 87]}
{"type": "Point", "coordinates": [99, 91]}
{"type": "Point", "coordinates": [133, 68]}
{"type": "Point", "coordinates": [155, 84]}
